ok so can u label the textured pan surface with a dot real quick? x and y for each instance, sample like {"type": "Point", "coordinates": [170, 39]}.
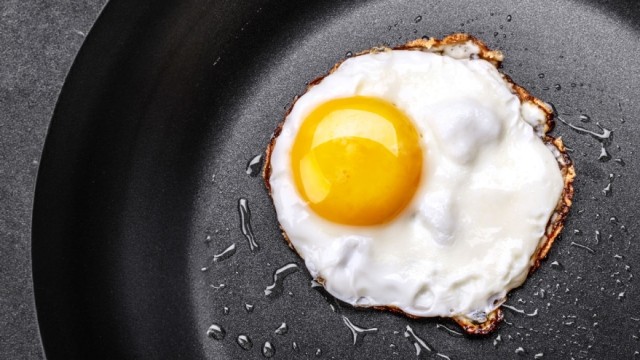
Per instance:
{"type": "Point", "coordinates": [165, 95]}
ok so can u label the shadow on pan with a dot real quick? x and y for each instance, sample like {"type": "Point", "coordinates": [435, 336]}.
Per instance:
{"type": "Point", "coordinates": [145, 163]}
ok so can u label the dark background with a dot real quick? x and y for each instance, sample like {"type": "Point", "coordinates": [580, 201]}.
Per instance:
{"type": "Point", "coordinates": [38, 42]}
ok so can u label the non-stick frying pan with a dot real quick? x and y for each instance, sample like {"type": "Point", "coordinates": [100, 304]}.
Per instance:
{"type": "Point", "coordinates": [146, 161]}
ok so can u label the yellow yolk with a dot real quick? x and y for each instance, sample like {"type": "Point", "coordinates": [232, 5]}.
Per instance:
{"type": "Point", "coordinates": [357, 160]}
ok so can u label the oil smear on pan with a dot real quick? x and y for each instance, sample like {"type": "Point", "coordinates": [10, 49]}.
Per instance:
{"type": "Point", "coordinates": [218, 287]}
{"type": "Point", "coordinates": [357, 332]}
{"type": "Point", "coordinates": [449, 330]}
{"type": "Point", "coordinates": [603, 138]}
{"type": "Point", "coordinates": [223, 255]}
{"type": "Point", "coordinates": [254, 165]}
{"type": "Point", "coordinates": [520, 311]}
{"type": "Point", "coordinates": [420, 345]}
{"type": "Point", "coordinates": [279, 275]}
{"type": "Point", "coordinates": [608, 191]}
{"type": "Point", "coordinates": [245, 223]}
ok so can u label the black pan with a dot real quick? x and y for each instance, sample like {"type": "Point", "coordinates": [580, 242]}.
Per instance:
{"type": "Point", "coordinates": [146, 160]}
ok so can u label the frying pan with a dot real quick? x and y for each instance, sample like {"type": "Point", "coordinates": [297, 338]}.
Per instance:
{"type": "Point", "coordinates": [146, 159]}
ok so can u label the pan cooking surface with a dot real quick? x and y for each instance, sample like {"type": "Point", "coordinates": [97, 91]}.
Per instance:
{"type": "Point", "coordinates": [154, 238]}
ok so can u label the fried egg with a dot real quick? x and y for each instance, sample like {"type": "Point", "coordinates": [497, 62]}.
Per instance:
{"type": "Point", "coordinates": [420, 179]}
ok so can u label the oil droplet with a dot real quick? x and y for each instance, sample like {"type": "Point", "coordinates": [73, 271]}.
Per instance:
{"type": "Point", "coordinates": [519, 311]}
{"type": "Point", "coordinates": [417, 342]}
{"type": "Point", "coordinates": [583, 247]}
{"type": "Point", "coordinates": [245, 223]}
{"type": "Point", "coordinates": [604, 154]}
{"type": "Point", "coordinates": [219, 287]}
{"type": "Point", "coordinates": [295, 347]}
{"type": "Point", "coordinates": [358, 332]}
{"type": "Point", "coordinates": [268, 350]}
{"type": "Point", "coordinates": [216, 332]}
{"type": "Point", "coordinates": [348, 54]}
{"type": "Point", "coordinates": [254, 165]}
{"type": "Point", "coordinates": [541, 76]}
{"type": "Point", "coordinates": [248, 307]}
{"type": "Point", "coordinates": [417, 19]}
{"type": "Point", "coordinates": [279, 275]}
{"type": "Point", "coordinates": [542, 292]}
{"type": "Point", "coordinates": [604, 139]}
{"type": "Point", "coordinates": [606, 134]}
{"type": "Point", "coordinates": [497, 340]}
{"type": "Point", "coordinates": [585, 118]}
{"type": "Point", "coordinates": [508, 18]}
{"type": "Point", "coordinates": [520, 351]}
{"type": "Point", "coordinates": [244, 342]}
{"type": "Point", "coordinates": [495, 34]}
{"type": "Point", "coordinates": [227, 253]}
{"type": "Point", "coordinates": [450, 331]}
{"type": "Point", "coordinates": [282, 329]}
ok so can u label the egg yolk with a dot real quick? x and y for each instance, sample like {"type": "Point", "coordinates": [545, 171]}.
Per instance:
{"type": "Point", "coordinates": [357, 160]}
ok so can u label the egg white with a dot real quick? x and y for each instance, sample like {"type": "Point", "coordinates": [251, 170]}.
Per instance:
{"type": "Point", "coordinates": [488, 188]}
